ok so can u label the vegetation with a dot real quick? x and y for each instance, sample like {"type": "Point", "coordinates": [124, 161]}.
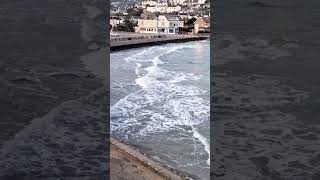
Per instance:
{"type": "Point", "coordinates": [189, 25]}
{"type": "Point", "coordinates": [190, 21]}
{"type": "Point", "coordinates": [126, 26]}
{"type": "Point", "coordinates": [184, 30]}
{"type": "Point", "coordinates": [134, 12]}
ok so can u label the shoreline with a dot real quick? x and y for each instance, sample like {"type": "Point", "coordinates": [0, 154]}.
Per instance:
{"type": "Point", "coordinates": [123, 157]}
{"type": "Point", "coordinates": [133, 161]}
{"type": "Point", "coordinates": [133, 148]}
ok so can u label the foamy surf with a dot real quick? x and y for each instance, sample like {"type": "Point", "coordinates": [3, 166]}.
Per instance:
{"type": "Point", "coordinates": [154, 90]}
{"type": "Point", "coordinates": [167, 102]}
{"type": "Point", "coordinates": [204, 141]}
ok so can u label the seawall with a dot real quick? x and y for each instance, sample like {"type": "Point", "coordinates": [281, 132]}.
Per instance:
{"type": "Point", "coordinates": [139, 42]}
{"type": "Point", "coordinates": [127, 161]}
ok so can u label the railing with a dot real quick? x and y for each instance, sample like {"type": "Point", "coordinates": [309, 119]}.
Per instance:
{"type": "Point", "coordinates": [143, 36]}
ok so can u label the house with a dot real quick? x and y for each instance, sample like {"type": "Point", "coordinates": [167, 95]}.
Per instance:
{"type": "Point", "coordinates": [162, 2]}
{"type": "Point", "coordinates": [196, 2]}
{"type": "Point", "coordinates": [163, 9]}
{"type": "Point", "coordinates": [183, 16]}
{"type": "Point", "coordinates": [146, 3]}
{"type": "Point", "coordinates": [172, 9]}
{"type": "Point", "coordinates": [115, 21]}
{"type": "Point", "coordinates": [202, 24]}
{"type": "Point", "coordinates": [153, 9]}
{"type": "Point", "coordinates": [115, 10]}
{"type": "Point", "coordinates": [178, 2]}
{"type": "Point", "coordinates": [170, 24]}
{"type": "Point", "coordinates": [163, 24]}
{"type": "Point", "coordinates": [148, 24]}
{"type": "Point", "coordinates": [202, 1]}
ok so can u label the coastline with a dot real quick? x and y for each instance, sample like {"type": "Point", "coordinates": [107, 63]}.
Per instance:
{"type": "Point", "coordinates": [132, 163]}
{"type": "Point", "coordinates": [119, 57]}
{"type": "Point", "coordinates": [129, 163]}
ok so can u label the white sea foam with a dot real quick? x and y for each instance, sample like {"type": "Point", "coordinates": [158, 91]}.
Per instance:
{"type": "Point", "coordinates": [203, 140]}
{"type": "Point", "coordinates": [137, 70]}
{"type": "Point", "coordinates": [156, 61]}
{"type": "Point", "coordinates": [163, 103]}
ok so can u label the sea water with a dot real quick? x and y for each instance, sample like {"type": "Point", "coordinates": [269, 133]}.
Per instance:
{"type": "Point", "coordinates": [160, 103]}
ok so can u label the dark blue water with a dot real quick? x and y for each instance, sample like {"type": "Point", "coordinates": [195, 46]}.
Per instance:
{"type": "Point", "coordinates": [160, 103]}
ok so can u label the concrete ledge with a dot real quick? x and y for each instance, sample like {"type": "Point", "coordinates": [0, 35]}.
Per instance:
{"type": "Point", "coordinates": [115, 46]}
{"type": "Point", "coordinates": [142, 159]}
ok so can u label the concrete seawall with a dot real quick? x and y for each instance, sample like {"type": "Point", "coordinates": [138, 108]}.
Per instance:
{"type": "Point", "coordinates": [128, 163]}
{"type": "Point", "coordinates": [141, 42]}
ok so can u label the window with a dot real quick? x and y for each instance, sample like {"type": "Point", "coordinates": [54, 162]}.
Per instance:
{"type": "Point", "coordinates": [162, 30]}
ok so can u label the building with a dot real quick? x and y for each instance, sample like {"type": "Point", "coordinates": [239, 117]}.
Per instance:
{"type": "Point", "coordinates": [178, 2]}
{"type": "Point", "coordinates": [115, 21]}
{"type": "Point", "coordinates": [148, 24]}
{"type": "Point", "coordinates": [196, 2]}
{"type": "Point", "coordinates": [184, 16]}
{"type": "Point", "coordinates": [153, 9]}
{"type": "Point", "coordinates": [202, 24]}
{"type": "Point", "coordinates": [162, 2]}
{"type": "Point", "coordinates": [163, 9]}
{"type": "Point", "coordinates": [146, 3]}
{"type": "Point", "coordinates": [164, 24]}
{"type": "Point", "coordinates": [170, 24]}
{"type": "Point", "coordinates": [173, 9]}
{"type": "Point", "coordinates": [202, 1]}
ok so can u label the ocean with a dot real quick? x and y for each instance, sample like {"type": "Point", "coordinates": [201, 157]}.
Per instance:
{"type": "Point", "coordinates": [160, 103]}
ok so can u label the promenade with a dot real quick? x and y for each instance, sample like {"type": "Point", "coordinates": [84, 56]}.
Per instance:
{"type": "Point", "coordinates": [128, 163]}
{"type": "Point", "coordinates": [124, 40]}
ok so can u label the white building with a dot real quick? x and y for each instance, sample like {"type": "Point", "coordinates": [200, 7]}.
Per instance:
{"type": "Point", "coordinates": [164, 24]}
{"type": "Point", "coordinates": [196, 2]}
{"type": "Point", "coordinates": [146, 3]}
{"type": "Point", "coordinates": [116, 21]}
{"type": "Point", "coordinates": [178, 2]}
{"type": "Point", "coordinates": [153, 9]}
{"type": "Point", "coordinates": [163, 9]}
{"type": "Point", "coordinates": [162, 3]}
{"type": "Point", "coordinates": [201, 1]}
{"type": "Point", "coordinates": [172, 9]}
